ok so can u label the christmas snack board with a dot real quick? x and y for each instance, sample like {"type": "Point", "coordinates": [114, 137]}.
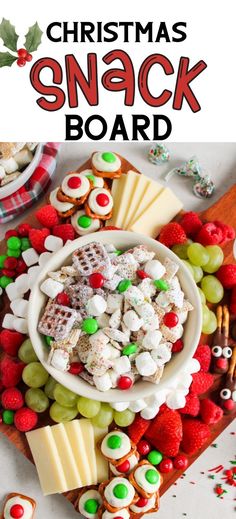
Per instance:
{"type": "Point", "coordinates": [223, 209]}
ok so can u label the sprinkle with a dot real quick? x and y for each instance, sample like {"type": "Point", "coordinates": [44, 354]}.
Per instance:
{"type": "Point", "coordinates": [211, 477]}
{"type": "Point", "coordinates": [215, 445]}
{"type": "Point", "coordinates": [233, 462]}
{"type": "Point", "coordinates": [202, 472]}
{"type": "Point", "coordinates": [174, 495]}
{"type": "Point", "coordinates": [216, 469]}
{"type": "Point", "coordinates": [192, 482]}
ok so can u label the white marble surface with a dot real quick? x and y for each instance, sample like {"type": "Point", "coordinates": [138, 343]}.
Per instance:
{"type": "Point", "coordinates": [17, 473]}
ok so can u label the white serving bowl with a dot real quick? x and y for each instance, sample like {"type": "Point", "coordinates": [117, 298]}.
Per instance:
{"type": "Point", "coordinates": [192, 328]}
{"type": "Point", "coordinates": [13, 186]}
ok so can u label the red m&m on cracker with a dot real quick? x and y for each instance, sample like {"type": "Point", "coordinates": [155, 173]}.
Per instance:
{"type": "Point", "coordinates": [16, 511]}
{"type": "Point", "coordinates": [74, 182]}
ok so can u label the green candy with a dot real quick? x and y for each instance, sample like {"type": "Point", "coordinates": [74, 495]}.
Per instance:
{"type": "Point", "coordinates": [25, 244]}
{"type": "Point", "coordinates": [114, 441]}
{"type": "Point", "coordinates": [91, 506]}
{"type": "Point", "coordinates": [124, 285]}
{"type": "Point", "coordinates": [2, 259]}
{"type": "Point", "coordinates": [118, 252]}
{"type": "Point", "coordinates": [155, 457]}
{"type": "Point", "coordinates": [84, 221]}
{"type": "Point", "coordinates": [109, 157]}
{"type": "Point", "coordinates": [8, 417]}
{"type": "Point", "coordinates": [48, 340]}
{"type": "Point", "coordinates": [90, 326]}
{"type": "Point", "coordinates": [4, 281]}
{"type": "Point", "coordinates": [91, 177]}
{"type": "Point", "coordinates": [161, 284]}
{"type": "Point", "coordinates": [14, 243]}
{"type": "Point", "coordinates": [120, 491]}
{"type": "Point", "coordinates": [152, 476]}
{"type": "Point", "coordinates": [13, 253]}
{"type": "Point", "coordinates": [130, 349]}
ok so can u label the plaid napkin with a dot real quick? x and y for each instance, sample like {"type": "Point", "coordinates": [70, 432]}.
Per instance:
{"type": "Point", "coordinates": [15, 204]}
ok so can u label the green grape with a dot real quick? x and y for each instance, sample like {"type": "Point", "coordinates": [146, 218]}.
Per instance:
{"type": "Point", "coordinates": [49, 388]}
{"type": "Point", "coordinates": [36, 400]}
{"type": "Point", "coordinates": [189, 267]}
{"type": "Point", "coordinates": [64, 396]}
{"type": "Point", "coordinates": [202, 296]}
{"type": "Point", "coordinates": [88, 408]}
{"type": "Point", "coordinates": [104, 417]}
{"type": "Point", "coordinates": [216, 258]}
{"type": "Point", "coordinates": [26, 352]}
{"type": "Point", "coordinates": [211, 325]}
{"type": "Point", "coordinates": [59, 413]}
{"type": "Point", "coordinates": [124, 418]}
{"type": "Point", "coordinates": [34, 375]}
{"type": "Point", "coordinates": [212, 289]}
{"type": "Point", "coordinates": [197, 254]}
{"type": "Point", "coordinates": [181, 250]}
{"type": "Point", "coordinates": [205, 315]}
{"type": "Point", "coordinates": [197, 273]}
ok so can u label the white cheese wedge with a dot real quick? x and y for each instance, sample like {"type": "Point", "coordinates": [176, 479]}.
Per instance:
{"type": "Point", "coordinates": [66, 455]}
{"type": "Point", "coordinates": [87, 432]}
{"type": "Point", "coordinates": [162, 210]}
{"type": "Point", "coordinates": [151, 193]}
{"type": "Point", "coordinates": [77, 443]}
{"type": "Point", "coordinates": [116, 192]}
{"type": "Point", "coordinates": [47, 460]}
{"type": "Point", "coordinates": [136, 198]}
{"type": "Point", "coordinates": [102, 464]}
{"type": "Point", "coordinates": [128, 192]}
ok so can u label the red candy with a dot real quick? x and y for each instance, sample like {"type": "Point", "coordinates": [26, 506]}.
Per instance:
{"type": "Point", "coordinates": [12, 399]}
{"type": "Point", "coordinates": [8, 273]}
{"type": "Point", "coordinates": [21, 266]}
{"type": "Point", "coordinates": [177, 346]}
{"type": "Point", "coordinates": [76, 368]}
{"type": "Point", "coordinates": [123, 467]}
{"type": "Point", "coordinates": [10, 233]}
{"type": "Point", "coordinates": [143, 447]}
{"type": "Point", "coordinates": [74, 182]}
{"type": "Point", "coordinates": [63, 299]}
{"type": "Point", "coordinates": [96, 280]}
{"type": "Point", "coordinates": [24, 229]}
{"type": "Point", "coordinates": [16, 511]}
{"type": "Point", "coordinates": [10, 263]}
{"type": "Point", "coordinates": [25, 419]}
{"type": "Point", "coordinates": [143, 501]}
{"type": "Point", "coordinates": [170, 319]}
{"type": "Point", "coordinates": [125, 383]}
{"type": "Point", "coordinates": [181, 462]}
{"type": "Point", "coordinates": [166, 466]}
{"type": "Point", "coordinates": [229, 404]}
{"type": "Point", "coordinates": [142, 274]}
{"type": "Point", "coordinates": [102, 199]}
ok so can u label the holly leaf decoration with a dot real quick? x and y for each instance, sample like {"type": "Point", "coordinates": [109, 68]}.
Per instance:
{"type": "Point", "coordinates": [8, 35]}
{"type": "Point", "coordinates": [33, 38]}
{"type": "Point", "coordinates": [6, 59]}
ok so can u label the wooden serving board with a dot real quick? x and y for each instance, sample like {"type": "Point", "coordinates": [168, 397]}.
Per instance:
{"type": "Point", "coordinates": [223, 209]}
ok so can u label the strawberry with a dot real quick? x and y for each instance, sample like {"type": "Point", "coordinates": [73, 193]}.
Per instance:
{"type": "Point", "coordinates": [65, 231]}
{"type": "Point", "coordinates": [203, 355]}
{"type": "Point", "coordinates": [12, 399]}
{"type": "Point", "coordinates": [209, 234]}
{"type": "Point", "coordinates": [37, 238]}
{"type": "Point", "coordinates": [192, 406]}
{"type": "Point", "coordinates": [171, 234]}
{"type": "Point", "coordinates": [201, 382]}
{"type": "Point", "coordinates": [227, 231]}
{"type": "Point", "coordinates": [210, 412]}
{"type": "Point", "coordinates": [24, 229]}
{"type": "Point", "coordinates": [138, 428]}
{"type": "Point", "coordinates": [191, 223]}
{"type": "Point", "coordinates": [10, 341]}
{"type": "Point", "coordinates": [25, 419]}
{"type": "Point", "coordinates": [47, 216]}
{"type": "Point", "coordinates": [165, 432]}
{"type": "Point", "coordinates": [10, 371]}
{"type": "Point", "coordinates": [227, 275]}
{"type": "Point", "coordinates": [195, 434]}
{"type": "Point", "coordinates": [110, 228]}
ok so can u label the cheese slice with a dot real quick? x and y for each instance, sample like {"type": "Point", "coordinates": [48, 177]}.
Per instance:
{"type": "Point", "coordinates": [66, 455]}
{"type": "Point", "coordinates": [160, 212]}
{"type": "Point", "coordinates": [136, 198]}
{"type": "Point", "coordinates": [77, 443]}
{"type": "Point", "coordinates": [87, 432]}
{"type": "Point", "coordinates": [116, 192]}
{"type": "Point", "coordinates": [102, 463]}
{"type": "Point", "coordinates": [47, 460]}
{"type": "Point", "coordinates": [127, 195]}
{"type": "Point", "coordinates": [152, 191]}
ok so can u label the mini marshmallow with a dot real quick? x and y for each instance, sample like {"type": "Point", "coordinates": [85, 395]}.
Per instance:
{"type": "Point", "coordinates": [43, 258]}
{"type": "Point", "coordinates": [19, 307]}
{"type": "Point", "coordinates": [149, 412]}
{"type": "Point", "coordinates": [134, 295]}
{"type": "Point", "coordinates": [96, 305]}
{"type": "Point", "coordinates": [8, 321]}
{"type": "Point", "coordinates": [12, 291]}
{"type": "Point", "coordinates": [146, 311]}
{"type": "Point", "coordinates": [110, 352]}
{"type": "Point", "coordinates": [158, 398]}
{"type": "Point", "coordinates": [20, 325]}
{"type": "Point", "coordinates": [10, 165]}
{"type": "Point", "coordinates": [132, 321]}
{"type": "Point", "coordinates": [98, 339]}
{"type": "Point", "coordinates": [137, 405]}
{"type": "Point", "coordinates": [162, 300]}
{"type": "Point", "coordinates": [113, 376]}
{"type": "Point", "coordinates": [1, 290]}
{"type": "Point", "coordinates": [151, 339]}
{"type": "Point", "coordinates": [2, 172]}
{"type": "Point", "coordinates": [30, 257]}
{"type": "Point", "coordinates": [176, 400]}
{"type": "Point", "coordinates": [22, 283]}
{"type": "Point", "coordinates": [151, 324]}
{"type": "Point", "coordinates": [119, 406]}
{"type": "Point", "coordinates": [145, 364]}
{"type": "Point", "coordinates": [60, 359]}
{"type": "Point", "coordinates": [23, 157]}
{"type": "Point", "coordinates": [147, 287]}
{"type": "Point", "coordinates": [193, 366]}
{"type": "Point", "coordinates": [103, 383]}
{"type": "Point", "coordinates": [154, 269]}
{"type": "Point", "coordinates": [161, 354]}
{"type": "Point", "coordinates": [33, 273]}
{"type": "Point", "coordinates": [122, 365]}
{"type": "Point", "coordinates": [53, 243]}
{"type": "Point", "coordinates": [51, 288]}
{"type": "Point", "coordinates": [182, 316]}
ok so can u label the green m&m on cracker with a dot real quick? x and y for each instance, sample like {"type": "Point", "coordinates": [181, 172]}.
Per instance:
{"type": "Point", "coordinates": [108, 156]}
{"type": "Point", "coordinates": [114, 441]}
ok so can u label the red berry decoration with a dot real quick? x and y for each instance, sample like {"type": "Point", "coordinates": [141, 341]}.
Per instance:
{"type": "Point", "coordinates": [143, 447]}
{"type": "Point", "coordinates": [142, 274]}
{"type": "Point", "coordinates": [76, 368]}
{"type": "Point", "coordinates": [12, 399]}
{"type": "Point", "coordinates": [170, 319]}
{"type": "Point", "coordinates": [143, 501]}
{"type": "Point", "coordinates": [96, 280]}
{"type": "Point", "coordinates": [21, 266]}
{"type": "Point", "coordinates": [25, 419]}
{"type": "Point", "coordinates": [21, 62]}
{"type": "Point", "coordinates": [227, 275]}
{"type": "Point", "coordinates": [177, 346]}
{"type": "Point", "coordinates": [102, 199]}
{"type": "Point", "coordinates": [29, 57]}
{"type": "Point", "coordinates": [24, 229]}
{"type": "Point", "coordinates": [16, 511]}
{"type": "Point", "coordinates": [166, 466]}
{"type": "Point", "coordinates": [219, 490]}
{"type": "Point", "coordinates": [123, 467]}
{"type": "Point", "coordinates": [63, 299]}
{"type": "Point", "coordinates": [22, 53]}
{"type": "Point", "coordinates": [125, 383]}
{"type": "Point", "coordinates": [74, 182]}
{"type": "Point", "coordinates": [10, 233]}
{"type": "Point", "coordinates": [181, 462]}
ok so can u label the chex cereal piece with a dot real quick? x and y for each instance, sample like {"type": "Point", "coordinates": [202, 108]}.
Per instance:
{"type": "Point", "coordinates": [147, 287]}
{"type": "Point", "coordinates": [155, 378]}
{"type": "Point", "coordinates": [115, 319]}
{"type": "Point", "coordinates": [160, 312]}
{"type": "Point", "coordinates": [162, 300]}
{"type": "Point", "coordinates": [83, 348]}
{"type": "Point", "coordinates": [91, 258]}
{"type": "Point", "coordinates": [69, 271]}
{"type": "Point", "coordinates": [141, 254]}
{"type": "Point", "coordinates": [109, 271]}
{"type": "Point", "coordinates": [171, 269]}
{"type": "Point", "coordinates": [103, 320]}
{"type": "Point", "coordinates": [58, 276]}
{"type": "Point", "coordinates": [162, 353]}
{"type": "Point", "coordinates": [79, 294]}
{"type": "Point", "coordinates": [57, 320]}
{"type": "Point", "coordinates": [116, 335]}
{"type": "Point", "coordinates": [172, 334]}
{"type": "Point", "coordinates": [134, 296]}
{"type": "Point", "coordinates": [98, 340]}
{"type": "Point", "coordinates": [122, 365]}
{"type": "Point", "coordinates": [69, 343]}
{"type": "Point", "coordinates": [114, 302]}
{"type": "Point", "coordinates": [175, 297]}
{"type": "Point", "coordinates": [126, 259]}
{"type": "Point", "coordinates": [103, 383]}
{"type": "Point", "coordinates": [187, 307]}
{"type": "Point", "coordinates": [127, 271]}
{"type": "Point", "coordinates": [111, 284]}
{"type": "Point", "coordinates": [97, 365]}
{"type": "Point", "coordinates": [87, 377]}
{"type": "Point", "coordinates": [51, 288]}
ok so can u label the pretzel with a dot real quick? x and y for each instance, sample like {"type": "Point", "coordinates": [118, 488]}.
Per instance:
{"type": "Point", "coordinates": [91, 258]}
{"type": "Point", "coordinates": [133, 481]}
{"type": "Point", "coordinates": [118, 462]}
{"type": "Point", "coordinates": [76, 201]}
{"type": "Point", "coordinates": [137, 515]}
{"type": "Point", "coordinates": [57, 321]}
{"type": "Point", "coordinates": [107, 505]}
{"type": "Point", "coordinates": [80, 494]}
{"type": "Point", "coordinates": [62, 214]}
{"type": "Point", "coordinates": [107, 174]}
{"type": "Point", "coordinates": [230, 386]}
{"type": "Point", "coordinates": [94, 215]}
{"type": "Point", "coordinates": [5, 512]}
{"type": "Point", "coordinates": [220, 363]}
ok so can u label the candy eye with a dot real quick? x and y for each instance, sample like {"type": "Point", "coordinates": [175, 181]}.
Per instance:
{"type": "Point", "coordinates": [234, 395]}
{"type": "Point", "coordinates": [225, 394]}
{"type": "Point", "coordinates": [227, 352]}
{"type": "Point", "coordinates": [217, 351]}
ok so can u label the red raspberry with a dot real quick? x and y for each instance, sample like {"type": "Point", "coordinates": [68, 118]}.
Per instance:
{"type": "Point", "coordinates": [209, 234]}
{"type": "Point", "coordinates": [24, 229]}
{"type": "Point", "coordinates": [192, 405]}
{"type": "Point", "coordinates": [227, 231]}
{"type": "Point", "coordinates": [10, 341]}
{"type": "Point", "coordinates": [201, 382]}
{"type": "Point", "coordinates": [138, 428]}
{"type": "Point", "coordinates": [63, 299]}
{"type": "Point", "coordinates": [227, 275]}
{"type": "Point", "coordinates": [191, 223]}
{"type": "Point", "coordinates": [21, 266]}
{"type": "Point", "coordinates": [12, 399]}
{"type": "Point", "coordinates": [177, 346]}
{"type": "Point", "coordinates": [195, 435]}
{"type": "Point", "coordinates": [203, 355]}
{"type": "Point", "coordinates": [25, 419]}
{"type": "Point", "coordinates": [171, 234]}
{"type": "Point", "coordinates": [166, 466]}
{"type": "Point", "coordinates": [37, 238]}
{"type": "Point", "coordinates": [181, 462]}
{"type": "Point", "coordinates": [10, 233]}
{"type": "Point", "coordinates": [65, 231]}
{"type": "Point", "coordinates": [210, 412]}
{"type": "Point", "coordinates": [47, 216]}
{"type": "Point", "coordinates": [11, 371]}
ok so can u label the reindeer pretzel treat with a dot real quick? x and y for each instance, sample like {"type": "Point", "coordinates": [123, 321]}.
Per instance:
{"type": "Point", "coordinates": [228, 392]}
{"type": "Point", "coordinates": [18, 506]}
{"type": "Point", "coordinates": [221, 351]}
{"type": "Point", "coordinates": [106, 164]}
{"type": "Point", "coordinates": [146, 479]}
